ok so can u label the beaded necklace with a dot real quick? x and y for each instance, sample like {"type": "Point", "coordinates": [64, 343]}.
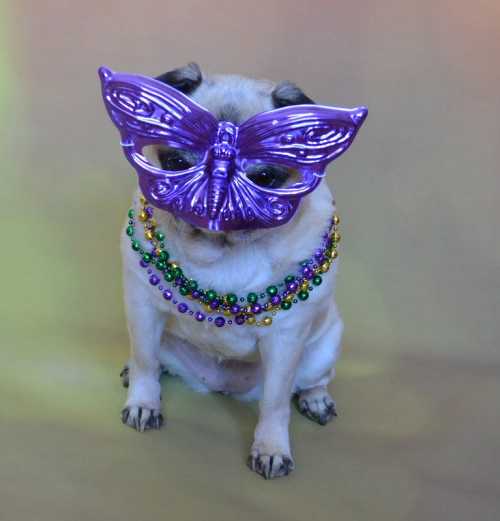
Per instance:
{"type": "Point", "coordinates": [256, 308]}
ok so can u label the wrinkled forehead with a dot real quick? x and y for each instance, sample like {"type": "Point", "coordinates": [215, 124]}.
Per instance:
{"type": "Point", "coordinates": [234, 98]}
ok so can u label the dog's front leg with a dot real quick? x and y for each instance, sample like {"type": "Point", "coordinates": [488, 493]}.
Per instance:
{"type": "Point", "coordinates": [270, 455]}
{"type": "Point", "coordinates": [145, 325]}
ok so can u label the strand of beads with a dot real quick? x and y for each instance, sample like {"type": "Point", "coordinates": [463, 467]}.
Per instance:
{"type": "Point", "coordinates": [249, 310]}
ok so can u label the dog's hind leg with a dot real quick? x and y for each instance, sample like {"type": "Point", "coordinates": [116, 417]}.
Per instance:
{"type": "Point", "coordinates": [316, 370]}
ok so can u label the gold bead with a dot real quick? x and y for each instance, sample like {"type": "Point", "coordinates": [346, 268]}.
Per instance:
{"type": "Point", "coordinates": [267, 321]}
{"type": "Point", "coordinates": [336, 237]}
{"type": "Point", "coordinates": [227, 312]}
{"type": "Point", "coordinates": [153, 223]}
{"type": "Point", "coordinates": [251, 320]}
{"type": "Point", "coordinates": [143, 216]}
{"type": "Point", "coordinates": [174, 265]}
{"type": "Point", "coordinates": [157, 251]}
{"type": "Point", "coordinates": [142, 199]}
{"type": "Point", "coordinates": [336, 219]}
{"type": "Point", "coordinates": [304, 286]}
{"type": "Point", "coordinates": [208, 308]}
{"type": "Point", "coordinates": [149, 235]}
{"type": "Point", "coordinates": [325, 267]}
{"type": "Point", "coordinates": [334, 254]}
{"type": "Point", "coordinates": [289, 298]}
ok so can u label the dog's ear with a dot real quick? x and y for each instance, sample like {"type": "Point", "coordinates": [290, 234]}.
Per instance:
{"type": "Point", "coordinates": [287, 93]}
{"type": "Point", "coordinates": [185, 79]}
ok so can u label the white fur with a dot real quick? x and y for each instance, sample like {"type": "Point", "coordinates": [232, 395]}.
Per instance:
{"type": "Point", "coordinates": [295, 354]}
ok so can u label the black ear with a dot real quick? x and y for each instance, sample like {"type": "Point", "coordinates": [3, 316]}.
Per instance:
{"type": "Point", "coordinates": [287, 93]}
{"type": "Point", "coordinates": [186, 79]}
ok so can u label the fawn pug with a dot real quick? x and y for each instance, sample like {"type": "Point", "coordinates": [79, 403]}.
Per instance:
{"type": "Point", "coordinates": [270, 349]}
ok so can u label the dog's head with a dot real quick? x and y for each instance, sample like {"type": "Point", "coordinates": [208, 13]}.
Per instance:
{"type": "Point", "coordinates": [224, 160]}
{"type": "Point", "coordinates": [235, 99]}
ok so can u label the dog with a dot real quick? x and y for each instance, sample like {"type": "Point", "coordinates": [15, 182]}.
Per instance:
{"type": "Point", "coordinates": [296, 356]}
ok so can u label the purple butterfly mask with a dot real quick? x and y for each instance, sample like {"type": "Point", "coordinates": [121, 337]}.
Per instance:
{"type": "Point", "coordinates": [217, 193]}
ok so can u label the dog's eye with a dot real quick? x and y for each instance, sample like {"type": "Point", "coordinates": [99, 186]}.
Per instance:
{"type": "Point", "coordinates": [268, 176]}
{"type": "Point", "coordinates": [173, 160]}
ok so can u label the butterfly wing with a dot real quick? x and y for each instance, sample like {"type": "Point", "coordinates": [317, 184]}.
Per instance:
{"type": "Point", "coordinates": [148, 112]}
{"type": "Point", "coordinates": [304, 137]}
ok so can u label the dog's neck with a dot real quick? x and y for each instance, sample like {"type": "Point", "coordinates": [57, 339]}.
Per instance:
{"type": "Point", "coordinates": [229, 261]}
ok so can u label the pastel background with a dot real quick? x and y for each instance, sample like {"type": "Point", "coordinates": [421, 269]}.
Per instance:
{"type": "Point", "coordinates": [418, 436]}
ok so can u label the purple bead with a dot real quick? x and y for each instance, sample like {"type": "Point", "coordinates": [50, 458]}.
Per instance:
{"type": "Point", "coordinates": [275, 300]}
{"type": "Point", "coordinates": [195, 294]}
{"type": "Point", "coordinates": [219, 321]}
{"type": "Point", "coordinates": [318, 254]}
{"type": "Point", "coordinates": [200, 317]}
{"type": "Point", "coordinates": [149, 211]}
{"type": "Point", "coordinates": [308, 272]}
{"type": "Point", "coordinates": [143, 263]}
{"type": "Point", "coordinates": [150, 271]}
{"type": "Point", "coordinates": [210, 319]}
{"type": "Point", "coordinates": [167, 294]}
{"type": "Point", "coordinates": [239, 319]}
{"type": "Point", "coordinates": [160, 287]}
{"type": "Point", "coordinates": [174, 301]}
{"type": "Point", "coordinates": [292, 287]}
{"type": "Point", "coordinates": [182, 307]}
{"type": "Point", "coordinates": [154, 280]}
{"type": "Point", "coordinates": [235, 309]}
{"type": "Point", "coordinates": [256, 308]}
{"type": "Point", "coordinates": [214, 304]}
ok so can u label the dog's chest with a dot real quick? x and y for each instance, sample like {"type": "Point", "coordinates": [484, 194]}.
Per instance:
{"type": "Point", "coordinates": [238, 342]}
{"type": "Point", "coordinates": [233, 275]}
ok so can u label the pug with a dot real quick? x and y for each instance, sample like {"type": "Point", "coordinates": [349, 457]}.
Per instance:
{"type": "Point", "coordinates": [287, 353]}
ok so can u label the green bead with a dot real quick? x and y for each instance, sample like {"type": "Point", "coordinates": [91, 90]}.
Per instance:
{"type": "Point", "coordinates": [272, 290]}
{"type": "Point", "coordinates": [130, 231]}
{"type": "Point", "coordinates": [161, 265]}
{"type": "Point", "coordinates": [252, 298]}
{"type": "Point", "coordinates": [164, 256]}
{"type": "Point", "coordinates": [317, 280]}
{"type": "Point", "coordinates": [136, 246]}
{"type": "Point", "coordinates": [146, 257]}
{"type": "Point", "coordinates": [303, 295]}
{"type": "Point", "coordinates": [232, 298]}
{"type": "Point", "coordinates": [211, 295]}
{"type": "Point", "coordinates": [285, 304]}
{"type": "Point", "coordinates": [193, 284]}
{"type": "Point", "coordinates": [183, 290]}
{"type": "Point", "coordinates": [160, 235]}
{"type": "Point", "coordinates": [289, 278]}
{"type": "Point", "coordinates": [169, 276]}
{"type": "Point", "coordinates": [162, 245]}
{"type": "Point", "coordinates": [177, 272]}
{"type": "Point", "coordinates": [131, 213]}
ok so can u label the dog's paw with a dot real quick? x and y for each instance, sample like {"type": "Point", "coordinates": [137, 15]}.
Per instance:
{"type": "Point", "coordinates": [142, 418]}
{"type": "Point", "coordinates": [317, 405]}
{"type": "Point", "coordinates": [124, 375]}
{"type": "Point", "coordinates": [270, 466]}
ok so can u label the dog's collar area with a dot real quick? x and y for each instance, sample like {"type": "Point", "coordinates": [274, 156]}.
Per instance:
{"type": "Point", "coordinates": [254, 309]}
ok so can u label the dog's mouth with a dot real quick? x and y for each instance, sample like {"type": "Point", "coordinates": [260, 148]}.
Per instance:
{"type": "Point", "coordinates": [218, 238]}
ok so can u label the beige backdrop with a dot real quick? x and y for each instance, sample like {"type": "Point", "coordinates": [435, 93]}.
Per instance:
{"type": "Point", "coordinates": [419, 282]}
